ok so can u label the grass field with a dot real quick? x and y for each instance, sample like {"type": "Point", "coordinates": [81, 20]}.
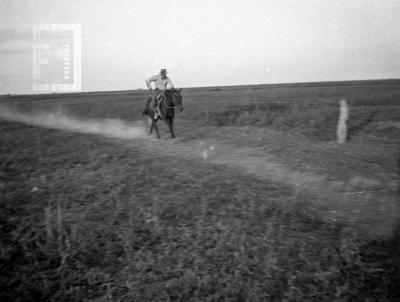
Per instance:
{"type": "Point", "coordinates": [254, 201]}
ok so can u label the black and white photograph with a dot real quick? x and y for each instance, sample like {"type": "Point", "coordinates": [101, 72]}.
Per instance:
{"type": "Point", "coordinates": [200, 150]}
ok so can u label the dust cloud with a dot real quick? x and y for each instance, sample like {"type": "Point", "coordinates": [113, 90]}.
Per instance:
{"type": "Point", "coordinates": [57, 120]}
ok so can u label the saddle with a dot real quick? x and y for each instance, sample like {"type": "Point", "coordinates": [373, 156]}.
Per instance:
{"type": "Point", "coordinates": [160, 98]}
{"type": "Point", "coordinates": [154, 102]}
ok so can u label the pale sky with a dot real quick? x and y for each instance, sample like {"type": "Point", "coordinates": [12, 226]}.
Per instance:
{"type": "Point", "coordinates": [209, 42]}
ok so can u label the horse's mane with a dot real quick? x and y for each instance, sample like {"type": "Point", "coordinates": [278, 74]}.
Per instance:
{"type": "Point", "coordinates": [173, 90]}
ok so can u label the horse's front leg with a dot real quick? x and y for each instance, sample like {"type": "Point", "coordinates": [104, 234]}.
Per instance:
{"type": "Point", "coordinates": [170, 123]}
{"type": "Point", "coordinates": [156, 128]}
{"type": "Point", "coordinates": [151, 123]}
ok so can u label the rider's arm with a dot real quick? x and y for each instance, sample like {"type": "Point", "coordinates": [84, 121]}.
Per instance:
{"type": "Point", "coordinates": [170, 84]}
{"type": "Point", "coordinates": [149, 80]}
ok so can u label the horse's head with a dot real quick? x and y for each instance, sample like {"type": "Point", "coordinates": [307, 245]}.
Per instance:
{"type": "Point", "coordinates": [176, 98]}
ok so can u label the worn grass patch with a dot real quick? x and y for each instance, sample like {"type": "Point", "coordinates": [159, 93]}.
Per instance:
{"type": "Point", "coordinates": [83, 218]}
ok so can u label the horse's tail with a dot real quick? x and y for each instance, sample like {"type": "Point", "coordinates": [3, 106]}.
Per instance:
{"type": "Point", "coordinates": [146, 109]}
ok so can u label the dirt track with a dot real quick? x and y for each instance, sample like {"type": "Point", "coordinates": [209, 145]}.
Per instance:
{"type": "Point", "coordinates": [361, 201]}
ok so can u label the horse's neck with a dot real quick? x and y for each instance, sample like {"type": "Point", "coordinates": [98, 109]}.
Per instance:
{"type": "Point", "coordinates": [169, 100]}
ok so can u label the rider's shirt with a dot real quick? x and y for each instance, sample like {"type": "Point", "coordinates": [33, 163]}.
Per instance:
{"type": "Point", "coordinates": [160, 83]}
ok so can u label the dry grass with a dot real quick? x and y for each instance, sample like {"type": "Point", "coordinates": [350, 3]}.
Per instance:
{"type": "Point", "coordinates": [84, 219]}
{"type": "Point", "coordinates": [103, 222]}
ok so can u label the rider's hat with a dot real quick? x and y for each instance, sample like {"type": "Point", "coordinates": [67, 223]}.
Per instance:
{"type": "Point", "coordinates": [163, 71]}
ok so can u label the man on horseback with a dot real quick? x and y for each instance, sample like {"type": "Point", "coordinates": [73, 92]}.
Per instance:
{"type": "Point", "coordinates": [161, 83]}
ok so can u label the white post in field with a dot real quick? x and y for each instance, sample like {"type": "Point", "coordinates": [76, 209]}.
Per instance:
{"type": "Point", "coordinates": [342, 122]}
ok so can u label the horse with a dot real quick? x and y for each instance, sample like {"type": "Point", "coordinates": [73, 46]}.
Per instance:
{"type": "Point", "coordinates": [167, 105]}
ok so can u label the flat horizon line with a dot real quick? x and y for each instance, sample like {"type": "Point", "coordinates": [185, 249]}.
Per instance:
{"type": "Point", "coordinates": [201, 87]}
